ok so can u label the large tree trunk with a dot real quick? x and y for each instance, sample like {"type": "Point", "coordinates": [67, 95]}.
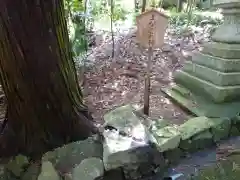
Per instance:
{"type": "Point", "coordinates": [45, 106]}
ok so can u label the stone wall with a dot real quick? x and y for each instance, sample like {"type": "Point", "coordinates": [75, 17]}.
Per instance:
{"type": "Point", "coordinates": [134, 147]}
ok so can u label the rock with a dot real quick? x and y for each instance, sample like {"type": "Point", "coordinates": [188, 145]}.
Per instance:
{"type": "Point", "coordinates": [32, 172]}
{"type": "Point", "coordinates": [167, 138]}
{"type": "Point", "coordinates": [2, 168]}
{"type": "Point", "coordinates": [128, 142]}
{"type": "Point", "coordinates": [126, 121]}
{"type": "Point", "coordinates": [48, 172]}
{"type": "Point", "coordinates": [66, 157]}
{"type": "Point", "coordinates": [234, 131]}
{"type": "Point", "coordinates": [202, 140]}
{"type": "Point", "coordinates": [158, 124]}
{"type": "Point", "coordinates": [120, 150]}
{"type": "Point", "coordinates": [194, 126]}
{"type": "Point", "coordinates": [8, 176]}
{"type": "Point", "coordinates": [220, 128]}
{"type": "Point", "coordinates": [67, 176]}
{"type": "Point", "coordinates": [17, 164]}
{"type": "Point", "coordinates": [173, 155]}
{"type": "Point", "coordinates": [89, 169]}
{"type": "Point", "coordinates": [236, 121]}
{"type": "Point", "coordinates": [3, 174]}
{"type": "Point", "coordinates": [116, 174]}
{"type": "Point", "coordinates": [123, 119]}
{"type": "Point", "coordinates": [131, 155]}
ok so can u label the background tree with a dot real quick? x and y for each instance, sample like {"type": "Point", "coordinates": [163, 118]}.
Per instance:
{"type": "Point", "coordinates": [179, 5]}
{"type": "Point", "coordinates": [37, 72]}
{"type": "Point", "coordinates": [111, 25]}
{"type": "Point", "coordinates": [144, 4]}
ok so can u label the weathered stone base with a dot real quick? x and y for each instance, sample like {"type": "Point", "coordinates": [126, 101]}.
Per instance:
{"type": "Point", "coordinates": [216, 93]}
{"type": "Point", "coordinates": [223, 50]}
{"type": "Point", "coordinates": [214, 73]}
{"type": "Point", "coordinates": [200, 106]}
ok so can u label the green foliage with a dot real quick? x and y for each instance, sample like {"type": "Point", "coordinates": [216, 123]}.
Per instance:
{"type": "Point", "coordinates": [74, 6]}
{"type": "Point", "coordinates": [119, 13]}
{"type": "Point", "coordinates": [181, 19]}
{"type": "Point", "coordinates": [76, 21]}
{"type": "Point", "coordinates": [81, 19]}
{"type": "Point", "coordinates": [102, 8]}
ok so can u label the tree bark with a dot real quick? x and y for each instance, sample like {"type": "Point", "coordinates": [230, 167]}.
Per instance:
{"type": "Point", "coordinates": [144, 4]}
{"type": "Point", "coordinates": [179, 5]}
{"type": "Point", "coordinates": [45, 103]}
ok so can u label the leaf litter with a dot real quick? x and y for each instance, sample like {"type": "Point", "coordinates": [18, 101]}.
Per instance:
{"type": "Point", "coordinates": [112, 82]}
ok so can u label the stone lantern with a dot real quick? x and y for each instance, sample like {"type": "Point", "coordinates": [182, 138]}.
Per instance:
{"type": "Point", "coordinates": [209, 83]}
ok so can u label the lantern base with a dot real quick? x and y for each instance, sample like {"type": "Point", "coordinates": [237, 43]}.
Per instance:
{"type": "Point", "coordinates": [200, 106]}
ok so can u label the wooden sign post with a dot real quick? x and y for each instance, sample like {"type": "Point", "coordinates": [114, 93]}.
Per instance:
{"type": "Point", "coordinates": [151, 27]}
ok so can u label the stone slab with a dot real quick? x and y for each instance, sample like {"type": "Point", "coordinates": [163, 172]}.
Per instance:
{"type": "Point", "coordinates": [217, 63]}
{"type": "Point", "coordinates": [220, 128]}
{"type": "Point", "coordinates": [167, 138]}
{"type": "Point", "coordinates": [226, 3]}
{"type": "Point", "coordinates": [214, 76]}
{"type": "Point", "coordinates": [200, 141]}
{"type": "Point", "coordinates": [200, 106]}
{"type": "Point", "coordinates": [217, 94]}
{"type": "Point", "coordinates": [223, 50]}
{"type": "Point", "coordinates": [194, 126]}
{"type": "Point", "coordinates": [122, 118]}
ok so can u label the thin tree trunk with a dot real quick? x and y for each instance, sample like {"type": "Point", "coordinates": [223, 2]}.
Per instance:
{"type": "Point", "coordinates": [111, 18]}
{"type": "Point", "coordinates": [136, 4]}
{"type": "Point", "coordinates": [179, 5]}
{"type": "Point", "coordinates": [45, 106]}
{"type": "Point", "coordinates": [144, 4]}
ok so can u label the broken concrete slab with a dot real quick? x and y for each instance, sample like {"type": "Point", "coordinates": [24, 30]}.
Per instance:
{"type": "Point", "coordinates": [130, 154]}
{"type": "Point", "coordinates": [199, 141]}
{"type": "Point", "coordinates": [167, 138]}
{"type": "Point", "coordinates": [194, 126]}
{"type": "Point", "coordinates": [123, 119]}
{"type": "Point", "coordinates": [220, 128]}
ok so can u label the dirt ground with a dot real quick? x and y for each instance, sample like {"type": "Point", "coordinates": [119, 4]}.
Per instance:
{"type": "Point", "coordinates": [112, 82]}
